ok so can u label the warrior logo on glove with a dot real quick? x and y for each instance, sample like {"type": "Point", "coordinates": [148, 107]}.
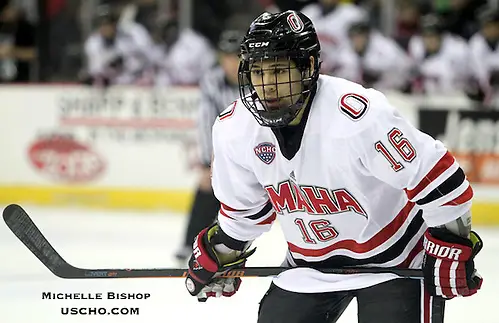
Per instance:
{"type": "Point", "coordinates": [442, 251]}
{"type": "Point", "coordinates": [448, 265]}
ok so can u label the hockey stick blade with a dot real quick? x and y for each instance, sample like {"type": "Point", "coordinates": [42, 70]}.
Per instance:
{"type": "Point", "coordinates": [25, 229]}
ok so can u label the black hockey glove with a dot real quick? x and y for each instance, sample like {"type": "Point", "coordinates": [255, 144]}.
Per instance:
{"type": "Point", "coordinates": [448, 266]}
{"type": "Point", "coordinates": [206, 268]}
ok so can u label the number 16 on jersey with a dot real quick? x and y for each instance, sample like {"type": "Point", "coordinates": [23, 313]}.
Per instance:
{"type": "Point", "coordinates": [401, 145]}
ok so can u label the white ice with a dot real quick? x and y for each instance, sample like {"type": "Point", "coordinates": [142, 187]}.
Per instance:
{"type": "Point", "coordinates": [97, 239]}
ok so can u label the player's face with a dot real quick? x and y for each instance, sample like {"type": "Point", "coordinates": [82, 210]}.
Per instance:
{"type": "Point", "coordinates": [277, 82]}
{"type": "Point", "coordinates": [491, 31]}
{"type": "Point", "coordinates": [230, 65]}
{"type": "Point", "coordinates": [107, 30]}
{"type": "Point", "coordinates": [359, 41]}
{"type": "Point", "coordinates": [431, 42]}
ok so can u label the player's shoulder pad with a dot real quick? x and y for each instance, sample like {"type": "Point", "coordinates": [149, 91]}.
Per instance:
{"type": "Point", "coordinates": [356, 107]}
{"type": "Point", "coordinates": [234, 119]}
{"type": "Point", "coordinates": [357, 103]}
{"type": "Point", "coordinates": [233, 127]}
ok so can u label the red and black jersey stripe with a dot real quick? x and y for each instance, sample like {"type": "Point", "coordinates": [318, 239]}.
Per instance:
{"type": "Point", "coordinates": [266, 215]}
{"type": "Point", "coordinates": [442, 165]}
{"type": "Point", "coordinates": [261, 216]}
{"type": "Point", "coordinates": [448, 186]}
{"type": "Point", "coordinates": [264, 211]}
{"type": "Point", "coordinates": [416, 227]}
{"type": "Point", "coordinates": [447, 189]}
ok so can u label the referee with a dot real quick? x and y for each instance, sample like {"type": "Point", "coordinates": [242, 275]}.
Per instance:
{"type": "Point", "coordinates": [219, 87]}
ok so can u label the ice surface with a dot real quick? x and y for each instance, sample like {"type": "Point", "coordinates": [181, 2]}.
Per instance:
{"type": "Point", "coordinates": [93, 239]}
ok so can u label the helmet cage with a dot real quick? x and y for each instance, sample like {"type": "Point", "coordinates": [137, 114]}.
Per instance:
{"type": "Point", "coordinates": [272, 40]}
{"type": "Point", "coordinates": [260, 106]}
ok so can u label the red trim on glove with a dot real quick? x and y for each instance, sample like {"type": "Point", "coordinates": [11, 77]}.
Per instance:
{"type": "Point", "coordinates": [201, 254]}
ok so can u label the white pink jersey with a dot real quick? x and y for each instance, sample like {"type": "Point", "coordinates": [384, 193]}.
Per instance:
{"type": "Point", "coordinates": [446, 71]}
{"type": "Point", "coordinates": [361, 190]}
{"type": "Point", "coordinates": [383, 57]}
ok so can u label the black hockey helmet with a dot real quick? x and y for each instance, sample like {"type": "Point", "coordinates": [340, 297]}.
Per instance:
{"type": "Point", "coordinates": [432, 24]}
{"type": "Point", "coordinates": [288, 35]}
{"type": "Point", "coordinates": [362, 26]}
{"type": "Point", "coordinates": [105, 14]}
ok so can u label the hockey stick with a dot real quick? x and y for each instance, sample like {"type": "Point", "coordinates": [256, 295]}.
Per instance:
{"type": "Point", "coordinates": [25, 229]}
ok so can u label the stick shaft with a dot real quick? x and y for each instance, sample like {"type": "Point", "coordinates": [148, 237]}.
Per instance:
{"type": "Point", "coordinates": [20, 223]}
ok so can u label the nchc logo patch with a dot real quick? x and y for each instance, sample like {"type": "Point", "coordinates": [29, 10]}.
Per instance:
{"type": "Point", "coordinates": [265, 151]}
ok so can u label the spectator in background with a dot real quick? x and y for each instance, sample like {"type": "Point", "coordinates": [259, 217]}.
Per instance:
{"type": "Point", "coordinates": [373, 60]}
{"type": "Point", "coordinates": [118, 53]}
{"type": "Point", "coordinates": [332, 20]}
{"type": "Point", "coordinates": [17, 44]}
{"type": "Point", "coordinates": [181, 57]}
{"type": "Point", "coordinates": [407, 22]}
{"type": "Point", "coordinates": [441, 59]}
{"type": "Point", "coordinates": [484, 47]}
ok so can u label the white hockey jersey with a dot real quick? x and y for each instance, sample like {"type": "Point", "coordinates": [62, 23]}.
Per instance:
{"type": "Point", "coordinates": [446, 71]}
{"type": "Point", "coordinates": [383, 57]}
{"type": "Point", "coordinates": [132, 45]}
{"type": "Point", "coordinates": [361, 189]}
{"type": "Point", "coordinates": [185, 62]}
{"type": "Point", "coordinates": [484, 60]}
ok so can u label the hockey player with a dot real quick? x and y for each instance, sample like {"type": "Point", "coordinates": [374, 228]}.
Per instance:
{"type": "Point", "coordinates": [485, 57]}
{"type": "Point", "coordinates": [372, 59]}
{"type": "Point", "coordinates": [353, 184]}
{"type": "Point", "coordinates": [218, 87]}
{"type": "Point", "coordinates": [441, 59]}
{"type": "Point", "coordinates": [181, 56]}
{"type": "Point", "coordinates": [117, 53]}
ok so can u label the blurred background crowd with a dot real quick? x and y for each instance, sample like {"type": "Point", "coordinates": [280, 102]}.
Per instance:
{"type": "Point", "coordinates": [412, 46]}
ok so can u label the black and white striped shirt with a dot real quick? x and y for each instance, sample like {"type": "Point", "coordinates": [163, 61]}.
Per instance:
{"type": "Point", "coordinates": [216, 95]}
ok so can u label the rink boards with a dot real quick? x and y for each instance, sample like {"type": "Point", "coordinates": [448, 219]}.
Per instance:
{"type": "Point", "coordinates": [133, 147]}
{"type": "Point", "coordinates": [485, 209]}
